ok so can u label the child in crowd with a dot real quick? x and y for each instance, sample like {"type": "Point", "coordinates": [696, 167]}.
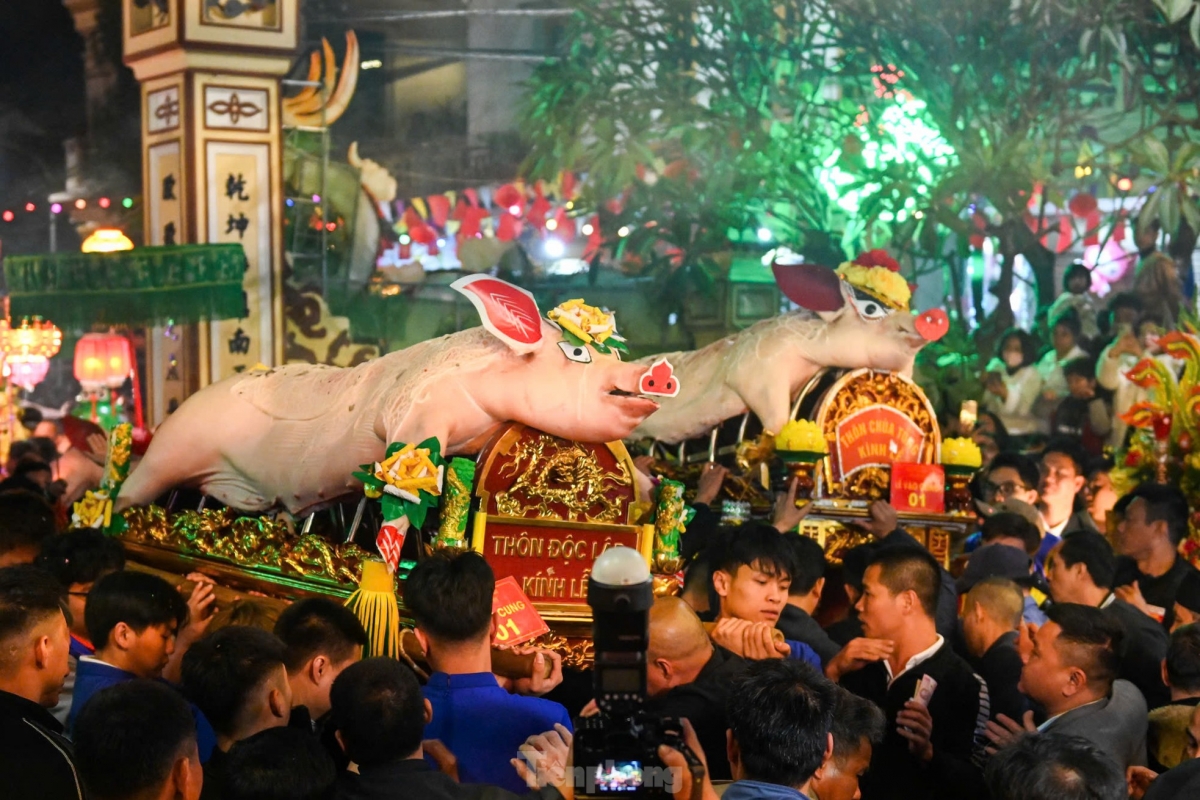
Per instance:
{"type": "Point", "coordinates": [1077, 297]}
{"type": "Point", "coordinates": [1085, 414]}
{"type": "Point", "coordinates": [78, 559]}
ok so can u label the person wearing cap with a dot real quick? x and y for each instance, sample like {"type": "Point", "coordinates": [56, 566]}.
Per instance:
{"type": "Point", "coordinates": [1080, 570]}
{"type": "Point", "coordinates": [1187, 601]}
{"type": "Point", "coordinates": [991, 619]}
{"type": "Point", "coordinates": [1016, 531]}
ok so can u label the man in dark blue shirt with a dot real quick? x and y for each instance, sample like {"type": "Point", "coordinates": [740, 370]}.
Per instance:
{"type": "Point", "coordinates": [480, 722]}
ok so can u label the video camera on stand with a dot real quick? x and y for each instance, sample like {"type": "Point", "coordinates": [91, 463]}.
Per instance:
{"type": "Point", "coordinates": [618, 748]}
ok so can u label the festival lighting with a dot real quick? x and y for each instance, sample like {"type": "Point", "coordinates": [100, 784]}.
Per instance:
{"type": "Point", "coordinates": [102, 359]}
{"type": "Point", "coordinates": [764, 234]}
{"type": "Point", "coordinates": [8, 216]}
{"type": "Point", "coordinates": [106, 240]}
{"type": "Point", "coordinates": [127, 202]}
{"type": "Point", "coordinates": [27, 350]}
{"type": "Point", "coordinates": [81, 204]}
{"type": "Point", "coordinates": [105, 202]}
{"type": "Point", "coordinates": [551, 224]}
{"type": "Point", "coordinates": [30, 207]}
{"type": "Point", "coordinates": [588, 229]}
{"type": "Point", "coordinates": [623, 231]}
{"type": "Point", "coordinates": [56, 208]}
{"type": "Point", "coordinates": [554, 247]}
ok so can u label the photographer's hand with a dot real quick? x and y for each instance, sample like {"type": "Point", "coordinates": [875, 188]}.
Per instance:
{"type": "Point", "coordinates": [686, 784]}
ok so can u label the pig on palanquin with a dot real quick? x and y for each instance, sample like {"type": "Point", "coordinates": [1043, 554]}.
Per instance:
{"type": "Point", "coordinates": [854, 317]}
{"type": "Point", "coordinates": [292, 436]}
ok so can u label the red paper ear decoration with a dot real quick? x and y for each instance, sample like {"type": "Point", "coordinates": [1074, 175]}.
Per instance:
{"type": "Point", "coordinates": [508, 312]}
{"type": "Point", "coordinates": [659, 380]}
{"type": "Point", "coordinates": [933, 324]}
{"type": "Point", "coordinates": [809, 286]}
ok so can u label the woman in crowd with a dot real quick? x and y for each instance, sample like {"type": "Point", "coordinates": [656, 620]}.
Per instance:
{"type": "Point", "coordinates": [1013, 384]}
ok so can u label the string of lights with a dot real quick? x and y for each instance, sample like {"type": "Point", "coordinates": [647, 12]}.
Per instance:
{"type": "Point", "coordinates": [80, 204]}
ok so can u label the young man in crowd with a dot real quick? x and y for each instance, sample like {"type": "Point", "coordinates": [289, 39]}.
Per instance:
{"type": "Point", "coordinates": [1054, 767]}
{"type": "Point", "coordinates": [929, 750]}
{"type": "Point", "coordinates": [237, 677]}
{"type": "Point", "coordinates": [1167, 739]}
{"type": "Point", "coordinates": [136, 741]}
{"type": "Point", "coordinates": [1081, 570]}
{"type": "Point", "coordinates": [322, 639]}
{"type": "Point", "coordinates": [991, 620]}
{"type": "Point", "coordinates": [1083, 415]}
{"type": "Point", "coordinates": [1011, 476]}
{"type": "Point", "coordinates": [1154, 520]}
{"type": "Point", "coordinates": [450, 598]}
{"type": "Point", "coordinates": [752, 569]}
{"type": "Point", "coordinates": [381, 719]}
{"type": "Point", "coordinates": [857, 727]}
{"type": "Point", "coordinates": [78, 559]}
{"type": "Point", "coordinates": [132, 618]}
{"type": "Point", "coordinates": [804, 595]}
{"type": "Point", "coordinates": [35, 759]}
{"type": "Point", "coordinates": [779, 721]}
{"type": "Point", "coordinates": [26, 520]}
{"type": "Point", "coordinates": [279, 764]}
{"type": "Point", "coordinates": [687, 677]}
{"type": "Point", "coordinates": [1071, 671]}
{"type": "Point", "coordinates": [1063, 476]}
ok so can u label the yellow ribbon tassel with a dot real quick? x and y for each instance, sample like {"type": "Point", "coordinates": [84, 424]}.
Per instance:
{"type": "Point", "coordinates": [374, 603]}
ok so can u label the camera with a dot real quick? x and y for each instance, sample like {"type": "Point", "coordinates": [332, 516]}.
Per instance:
{"type": "Point", "coordinates": [617, 749]}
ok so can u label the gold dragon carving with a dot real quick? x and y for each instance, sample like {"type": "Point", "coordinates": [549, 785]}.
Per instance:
{"type": "Point", "coordinates": [548, 472]}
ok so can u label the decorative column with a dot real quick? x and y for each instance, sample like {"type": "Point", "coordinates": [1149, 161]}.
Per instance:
{"type": "Point", "coordinates": [212, 154]}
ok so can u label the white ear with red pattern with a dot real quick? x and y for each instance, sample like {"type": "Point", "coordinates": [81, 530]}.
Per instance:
{"type": "Point", "coordinates": [508, 312]}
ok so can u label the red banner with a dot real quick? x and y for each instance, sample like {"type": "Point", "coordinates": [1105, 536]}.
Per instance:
{"type": "Point", "coordinates": [919, 488]}
{"type": "Point", "coordinates": [517, 621]}
{"type": "Point", "coordinates": [877, 436]}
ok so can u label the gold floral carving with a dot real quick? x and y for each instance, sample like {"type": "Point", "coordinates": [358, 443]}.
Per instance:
{"type": "Point", "coordinates": [576, 653]}
{"type": "Point", "coordinates": [255, 543]}
{"type": "Point", "coordinates": [550, 471]}
{"type": "Point", "coordinates": [861, 389]}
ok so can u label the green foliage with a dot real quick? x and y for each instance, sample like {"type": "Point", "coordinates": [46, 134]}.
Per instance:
{"type": "Point", "coordinates": [704, 117]}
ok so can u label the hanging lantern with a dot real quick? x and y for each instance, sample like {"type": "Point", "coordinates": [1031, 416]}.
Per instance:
{"type": "Point", "coordinates": [106, 240]}
{"type": "Point", "coordinates": [102, 360]}
{"type": "Point", "coordinates": [27, 350]}
{"type": "Point", "coordinates": [26, 371]}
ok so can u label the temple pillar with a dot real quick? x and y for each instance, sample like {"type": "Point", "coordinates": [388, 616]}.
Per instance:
{"type": "Point", "coordinates": [210, 74]}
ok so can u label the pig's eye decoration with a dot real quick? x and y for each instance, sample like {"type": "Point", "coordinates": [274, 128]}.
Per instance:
{"type": "Point", "coordinates": [578, 353]}
{"type": "Point", "coordinates": [869, 308]}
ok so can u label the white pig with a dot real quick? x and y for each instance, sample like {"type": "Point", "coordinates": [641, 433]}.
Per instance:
{"type": "Point", "coordinates": [292, 436]}
{"type": "Point", "coordinates": [765, 366]}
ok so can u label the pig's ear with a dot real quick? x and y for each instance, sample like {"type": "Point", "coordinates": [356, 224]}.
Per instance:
{"type": "Point", "coordinates": [508, 312]}
{"type": "Point", "coordinates": [809, 286]}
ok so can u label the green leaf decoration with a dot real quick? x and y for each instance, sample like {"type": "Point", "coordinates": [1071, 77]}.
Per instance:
{"type": "Point", "coordinates": [572, 339]}
{"type": "Point", "coordinates": [394, 507]}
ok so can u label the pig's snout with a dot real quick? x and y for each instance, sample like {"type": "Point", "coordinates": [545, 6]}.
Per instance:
{"type": "Point", "coordinates": [659, 380]}
{"type": "Point", "coordinates": [932, 324]}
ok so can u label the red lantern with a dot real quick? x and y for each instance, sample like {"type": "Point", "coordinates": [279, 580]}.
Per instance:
{"type": "Point", "coordinates": [102, 359]}
{"type": "Point", "coordinates": [1082, 204]}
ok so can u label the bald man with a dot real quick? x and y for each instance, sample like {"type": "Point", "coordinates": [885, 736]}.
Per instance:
{"type": "Point", "coordinates": [991, 619]}
{"type": "Point", "coordinates": [688, 676]}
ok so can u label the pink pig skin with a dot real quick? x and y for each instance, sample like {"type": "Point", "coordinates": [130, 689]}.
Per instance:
{"type": "Point", "coordinates": [765, 366]}
{"type": "Point", "coordinates": [292, 436]}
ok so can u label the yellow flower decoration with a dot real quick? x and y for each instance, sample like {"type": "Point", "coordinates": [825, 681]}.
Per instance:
{"type": "Point", "coordinates": [889, 287]}
{"type": "Point", "coordinates": [801, 435]}
{"type": "Point", "coordinates": [93, 511]}
{"type": "Point", "coordinates": [586, 322]}
{"type": "Point", "coordinates": [409, 470]}
{"type": "Point", "coordinates": [961, 453]}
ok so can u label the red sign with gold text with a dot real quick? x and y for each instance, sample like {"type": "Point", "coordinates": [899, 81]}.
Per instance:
{"type": "Point", "coordinates": [517, 621]}
{"type": "Point", "coordinates": [550, 563]}
{"type": "Point", "coordinates": [876, 436]}
{"type": "Point", "coordinates": [919, 488]}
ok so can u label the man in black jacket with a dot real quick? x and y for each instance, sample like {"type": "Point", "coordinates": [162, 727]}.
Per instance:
{"type": "Point", "coordinates": [687, 677]}
{"type": "Point", "coordinates": [991, 619]}
{"type": "Point", "coordinates": [932, 749]}
{"type": "Point", "coordinates": [380, 716]}
{"type": "Point", "coordinates": [1080, 569]}
{"type": "Point", "coordinates": [35, 759]}
{"type": "Point", "coordinates": [1150, 570]}
{"type": "Point", "coordinates": [804, 595]}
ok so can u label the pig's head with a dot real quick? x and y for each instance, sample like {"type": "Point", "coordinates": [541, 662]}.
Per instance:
{"type": "Point", "coordinates": [566, 376]}
{"type": "Point", "coordinates": [865, 308]}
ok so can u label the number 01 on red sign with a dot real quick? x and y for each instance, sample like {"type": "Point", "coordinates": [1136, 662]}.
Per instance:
{"type": "Point", "coordinates": [517, 621]}
{"type": "Point", "coordinates": [919, 488]}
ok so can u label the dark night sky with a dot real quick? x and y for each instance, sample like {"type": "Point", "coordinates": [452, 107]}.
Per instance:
{"type": "Point", "coordinates": [41, 102]}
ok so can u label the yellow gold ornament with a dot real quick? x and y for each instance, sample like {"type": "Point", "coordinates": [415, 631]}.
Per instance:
{"type": "Point", "coordinates": [889, 287]}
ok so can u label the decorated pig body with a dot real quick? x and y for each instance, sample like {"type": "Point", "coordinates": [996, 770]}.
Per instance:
{"type": "Point", "coordinates": [292, 436]}
{"type": "Point", "coordinates": [854, 317]}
